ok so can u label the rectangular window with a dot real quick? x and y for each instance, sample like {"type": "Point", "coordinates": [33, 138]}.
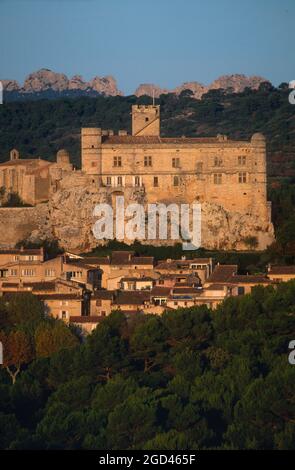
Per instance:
{"type": "Point", "coordinates": [109, 181]}
{"type": "Point", "coordinates": [49, 272]}
{"type": "Point", "coordinates": [175, 181]}
{"type": "Point", "coordinates": [217, 178]}
{"type": "Point", "coordinates": [98, 303]}
{"type": "Point", "coordinates": [28, 272]}
{"type": "Point", "coordinates": [15, 258]}
{"type": "Point", "coordinates": [64, 315]}
{"type": "Point", "coordinates": [13, 272]}
{"type": "Point", "coordinates": [242, 177]}
{"type": "Point", "coordinates": [175, 162]}
{"type": "Point", "coordinates": [136, 181]}
{"type": "Point", "coordinates": [156, 181]}
{"type": "Point", "coordinates": [217, 161]}
{"type": "Point", "coordinates": [31, 258]}
{"type": "Point", "coordinates": [147, 160]}
{"type": "Point", "coordinates": [120, 181]}
{"type": "Point", "coordinates": [242, 160]}
{"type": "Point", "coordinates": [117, 161]}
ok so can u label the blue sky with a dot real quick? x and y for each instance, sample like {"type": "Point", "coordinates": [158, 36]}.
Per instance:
{"type": "Point", "coordinates": [165, 42]}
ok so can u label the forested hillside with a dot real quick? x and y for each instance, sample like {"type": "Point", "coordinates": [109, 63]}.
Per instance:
{"type": "Point", "coordinates": [40, 128]}
{"type": "Point", "coordinates": [190, 379]}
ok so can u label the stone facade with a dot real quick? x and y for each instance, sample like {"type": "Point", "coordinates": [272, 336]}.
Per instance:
{"type": "Point", "coordinates": [227, 177]}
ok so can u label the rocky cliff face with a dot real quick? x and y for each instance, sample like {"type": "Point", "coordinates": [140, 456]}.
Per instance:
{"type": "Point", "coordinates": [236, 83]}
{"type": "Point", "coordinates": [68, 217]}
{"type": "Point", "coordinates": [45, 80]}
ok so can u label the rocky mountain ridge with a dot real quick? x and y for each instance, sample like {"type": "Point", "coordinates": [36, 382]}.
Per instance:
{"type": "Point", "coordinates": [45, 80]}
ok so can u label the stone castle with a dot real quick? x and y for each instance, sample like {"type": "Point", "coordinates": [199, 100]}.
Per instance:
{"type": "Point", "coordinates": [227, 177]}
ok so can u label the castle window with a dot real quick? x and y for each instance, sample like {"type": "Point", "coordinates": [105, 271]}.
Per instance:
{"type": "Point", "coordinates": [49, 272]}
{"type": "Point", "coordinates": [242, 177]}
{"type": "Point", "coordinates": [147, 161]}
{"type": "Point", "coordinates": [64, 315]}
{"type": "Point", "coordinates": [217, 177]}
{"type": "Point", "coordinates": [156, 181]}
{"type": "Point", "coordinates": [109, 181]}
{"type": "Point", "coordinates": [28, 272]}
{"type": "Point", "coordinates": [242, 160]}
{"type": "Point", "coordinates": [217, 161]}
{"type": "Point", "coordinates": [175, 162]}
{"type": "Point", "coordinates": [175, 181]}
{"type": "Point", "coordinates": [117, 161]}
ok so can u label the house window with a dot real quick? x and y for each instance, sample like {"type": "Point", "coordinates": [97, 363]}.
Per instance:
{"type": "Point", "coordinates": [175, 162]}
{"type": "Point", "coordinates": [109, 181]}
{"type": "Point", "coordinates": [147, 160]}
{"type": "Point", "coordinates": [175, 181]}
{"type": "Point", "coordinates": [136, 181]}
{"type": "Point", "coordinates": [28, 272]}
{"type": "Point", "coordinates": [217, 178]}
{"type": "Point", "coordinates": [15, 258]}
{"type": "Point", "coordinates": [64, 314]}
{"type": "Point", "coordinates": [242, 160]}
{"type": "Point", "coordinates": [156, 181]}
{"type": "Point", "coordinates": [217, 161]}
{"type": "Point", "coordinates": [98, 303]}
{"type": "Point", "coordinates": [31, 258]}
{"type": "Point", "coordinates": [117, 161]}
{"type": "Point", "coordinates": [242, 177]}
{"type": "Point", "coordinates": [13, 272]}
{"type": "Point", "coordinates": [146, 119]}
{"type": "Point", "coordinates": [49, 272]}
{"type": "Point", "coordinates": [120, 181]}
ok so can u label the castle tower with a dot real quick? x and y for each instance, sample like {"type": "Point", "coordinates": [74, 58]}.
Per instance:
{"type": "Point", "coordinates": [146, 120]}
{"type": "Point", "coordinates": [14, 154]}
{"type": "Point", "coordinates": [91, 138]}
{"type": "Point", "coordinates": [258, 144]}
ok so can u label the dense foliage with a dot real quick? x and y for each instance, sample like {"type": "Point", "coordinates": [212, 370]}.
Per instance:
{"type": "Point", "coordinates": [40, 128]}
{"type": "Point", "coordinates": [192, 378]}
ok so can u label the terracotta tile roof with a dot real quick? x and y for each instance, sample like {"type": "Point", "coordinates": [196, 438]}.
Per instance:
{"type": "Point", "coordinates": [30, 163]}
{"type": "Point", "coordinates": [185, 290]}
{"type": "Point", "coordinates": [86, 319]}
{"type": "Point", "coordinates": [158, 291]}
{"type": "Point", "coordinates": [103, 294]}
{"type": "Point", "coordinates": [130, 139]}
{"type": "Point", "coordinates": [247, 278]}
{"type": "Point", "coordinates": [282, 270]}
{"type": "Point", "coordinates": [60, 296]}
{"type": "Point", "coordinates": [40, 285]}
{"type": "Point", "coordinates": [223, 273]}
{"type": "Point", "coordinates": [80, 264]}
{"type": "Point", "coordinates": [181, 263]}
{"type": "Point", "coordinates": [14, 251]}
{"type": "Point", "coordinates": [9, 285]}
{"type": "Point", "coordinates": [132, 298]}
{"type": "Point", "coordinates": [96, 260]}
{"type": "Point", "coordinates": [128, 258]}
{"type": "Point", "coordinates": [215, 287]}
